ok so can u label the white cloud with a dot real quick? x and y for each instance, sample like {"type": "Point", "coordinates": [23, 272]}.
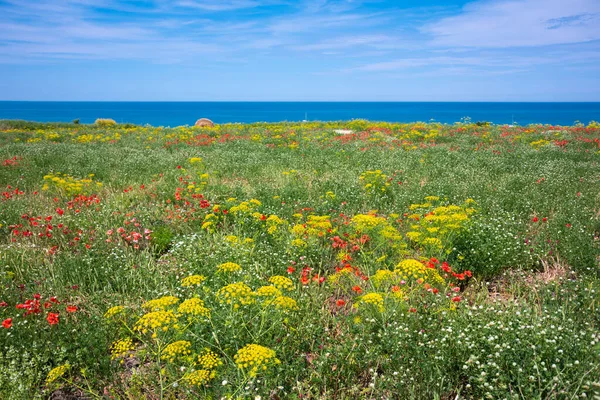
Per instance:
{"type": "Point", "coordinates": [514, 23]}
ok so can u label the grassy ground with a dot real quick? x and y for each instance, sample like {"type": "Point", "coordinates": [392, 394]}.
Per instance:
{"type": "Point", "coordinates": [286, 261]}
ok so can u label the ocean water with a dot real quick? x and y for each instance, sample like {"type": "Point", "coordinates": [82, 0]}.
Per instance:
{"type": "Point", "coordinates": [186, 113]}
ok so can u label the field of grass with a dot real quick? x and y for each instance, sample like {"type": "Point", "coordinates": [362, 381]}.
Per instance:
{"type": "Point", "coordinates": [288, 261]}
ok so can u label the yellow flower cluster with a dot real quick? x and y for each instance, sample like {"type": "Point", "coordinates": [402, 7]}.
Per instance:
{"type": "Point", "coordinates": [273, 223]}
{"type": "Point", "coordinates": [161, 303]}
{"type": "Point", "coordinates": [255, 358]}
{"type": "Point", "coordinates": [344, 275]}
{"type": "Point", "coordinates": [299, 243]}
{"type": "Point", "coordinates": [282, 282]}
{"type": "Point", "coordinates": [284, 303]}
{"type": "Point", "coordinates": [374, 181]}
{"type": "Point", "coordinates": [411, 269]}
{"type": "Point", "coordinates": [195, 160]}
{"type": "Point", "coordinates": [376, 225]}
{"type": "Point", "coordinates": [155, 320]}
{"type": "Point", "coordinates": [436, 227]}
{"type": "Point", "coordinates": [539, 143]}
{"type": "Point", "coordinates": [371, 299]}
{"type": "Point", "coordinates": [192, 280]}
{"type": "Point", "coordinates": [209, 360]}
{"type": "Point", "coordinates": [268, 291]}
{"type": "Point", "coordinates": [367, 222]}
{"type": "Point", "coordinates": [120, 348]}
{"type": "Point", "coordinates": [180, 348]}
{"type": "Point", "coordinates": [245, 207]}
{"type": "Point", "coordinates": [194, 306]}
{"type": "Point", "coordinates": [70, 185]}
{"type": "Point", "coordinates": [315, 226]}
{"type": "Point", "coordinates": [57, 372]}
{"type": "Point", "coordinates": [210, 222]}
{"type": "Point", "coordinates": [229, 267]}
{"type": "Point", "coordinates": [111, 312]}
{"type": "Point", "coordinates": [383, 277]}
{"type": "Point", "coordinates": [236, 294]}
{"type": "Point", "coordinates": [199, 377]}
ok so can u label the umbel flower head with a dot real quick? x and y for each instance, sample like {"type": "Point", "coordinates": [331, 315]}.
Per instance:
{"type": "Point", "coordinates": [192, 280]}
{"type": "Point", "coordinates": [255, 358]}
{"type": "Point", "coordinates": [155, 320]}
{"type": "Point", "coordinates": [229, 267]}
{"type": "Point", "coordinates": [193, 307]}
{"type": "Point", "coordinates": [236, 294]}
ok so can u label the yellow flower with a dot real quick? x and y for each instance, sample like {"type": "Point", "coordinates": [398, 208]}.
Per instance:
{"type": "Point", "coordinates": [194, 306]}
{"type": "Point", "coordinates": [57, 372]}
{"type": "Point", "coordinates": [415, 271]}
{"type": "Point", "coordinates": [236, 294]}
{"type": "Point", "coordinates": [268, 291]}
{"type": "Point", "coordinates": [374, 299]}
{"type": "Point", "coordinates": [120, 348]}
{"type": "Point", "coordinates": [282, 282]}
{"type": "Point", "coordinates": [155, 320]}
{"type": "Point", "coordinates": [180, 348]}
{"type": "Point", "coordinates": [209, 360]}
{"type": "Point", "coordinates": [199, 377]}
{"type": "Point", "coordinates": [255, 358]}
{"type": "Point", "coordinates": [284, 303]}
{"type": "Point", "coordinates": [111, 312]}
{"type": "Point", "coordinates": [383, 276]}
{"type": "Point", "coordinates": [192, 280]}
{"type": "Point", "coordinates": [299, 243]}
{"type": "Point", "coordinates": [229, 267]}
{"type": "Point", "coordinates": [161, 303]}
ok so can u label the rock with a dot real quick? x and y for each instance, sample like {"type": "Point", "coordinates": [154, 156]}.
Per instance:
{"type": "Point", "coordinates": [204, 122]}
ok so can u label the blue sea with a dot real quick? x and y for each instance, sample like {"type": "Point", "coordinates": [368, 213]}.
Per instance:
{"type": "Point", "coordinates": [186, 113]}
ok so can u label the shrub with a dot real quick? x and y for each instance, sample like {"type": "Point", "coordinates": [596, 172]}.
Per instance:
{"type": "Point", "coordinates": [105, 122]}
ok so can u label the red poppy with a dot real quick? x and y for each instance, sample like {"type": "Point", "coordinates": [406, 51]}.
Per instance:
{"type": "Point", "coordinates": [456, 299]}
{"type": "Point", "coordinates": [3, 304]}
{"type": "Point", "coordinates": [52, 318]}
{"type": "Point", "coordinates": [60, 211]}
{"type": "Point", "coordinates": [412, 309]}
{"type": "Point", "coordinates": [340, 303]}
{"type": "Point", "coordinates": [7, 323]}
{"type": "Point", "coordinates": [291, 270]}
{"type": "Point", "coordinates": [71, 309]}
{"type": "Point", "coordinates": [535, 219]}
{"type": "Point", "coordinates": [357, 289]}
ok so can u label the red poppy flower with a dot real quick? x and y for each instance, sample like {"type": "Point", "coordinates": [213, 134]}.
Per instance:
{"type": "Point", "coordinates": [3, 304]}
{"type": "Point", "coordinates": [357, 289]}
{"type": "Point", "coordinates": [60, 211]}
{"type": "Point", "coordinates": [71, 309]}
{"type": "Point", "coordinates": [291, 270]}
{"type": "Point", "coordinates": [7, 323]}
{"type": "Point", "coordinates": [456, 299]}
{"type": "Point", "coordinates": [52, 318]}
{"type": "Point", "coordinates": [535, 219]}
{"type": "Point", "coordinates": [340, 303]}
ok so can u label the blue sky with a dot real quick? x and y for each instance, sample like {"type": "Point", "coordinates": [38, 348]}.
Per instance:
{"type": "Point", "coordinates": [283, 50]}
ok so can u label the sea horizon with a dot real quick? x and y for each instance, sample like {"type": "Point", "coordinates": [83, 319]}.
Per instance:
{"type": "Point", "coordinates": [177, 113]}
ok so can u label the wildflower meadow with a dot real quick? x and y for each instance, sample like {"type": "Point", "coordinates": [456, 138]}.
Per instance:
{"type": "Point", "coordinates": [341, 260]}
